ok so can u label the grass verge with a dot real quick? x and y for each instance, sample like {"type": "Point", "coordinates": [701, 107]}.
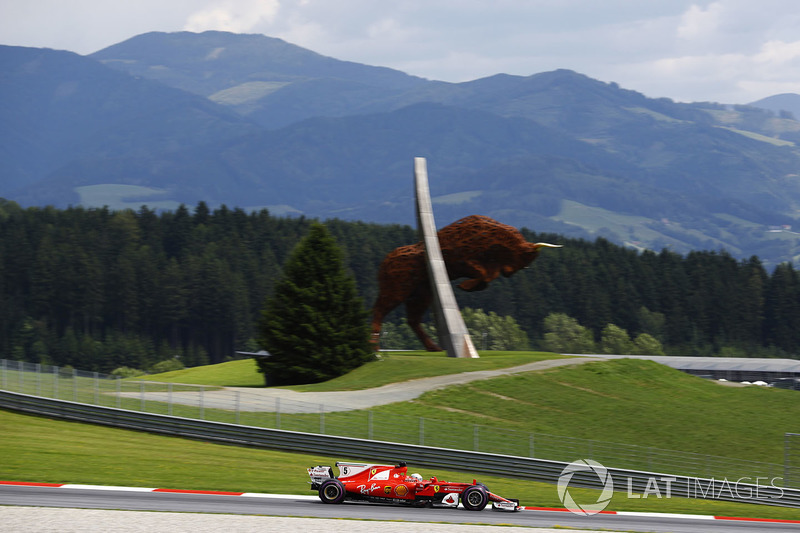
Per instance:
{"type": "Point", "coordinates": [36, 449]}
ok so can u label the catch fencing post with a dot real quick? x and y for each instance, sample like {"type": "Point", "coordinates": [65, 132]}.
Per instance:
{"type": "Point", "coordinates": [421, 431]}
{"type": "Point", "coordinates": [238, 406]}
{"type": "Point", "coordinates": [277, 412]}
{"type": "Point", "coordinates": [55, 381]}
{"type": "Point", "coordinates": [321, 419]}
{"type": "Point", "coordinates": [74, 384]}
{"type": "Point", "coordinates": [169, 398]}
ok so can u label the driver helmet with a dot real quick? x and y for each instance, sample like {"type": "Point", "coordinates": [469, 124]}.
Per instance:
{"type": "Point", "coordinates": [416, 477]}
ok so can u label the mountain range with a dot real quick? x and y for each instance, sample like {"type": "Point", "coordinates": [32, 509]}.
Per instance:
{"type": "Point", "coordinates": [252, 121]}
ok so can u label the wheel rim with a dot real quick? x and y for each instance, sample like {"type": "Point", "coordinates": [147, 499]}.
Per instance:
{"type": "Point", "coordinates": [331, 491]}
{"type": "Point", "coordinates": [475, 498]}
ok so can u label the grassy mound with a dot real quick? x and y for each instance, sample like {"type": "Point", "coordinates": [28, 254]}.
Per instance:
{"type": "Point", "coordinates": [392, 368]}
{"type": "Point", "coordinates": [626, 401]}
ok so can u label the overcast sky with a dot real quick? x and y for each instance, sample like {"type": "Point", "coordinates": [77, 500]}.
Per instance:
{"type": "Point", "coordinates": [729, 51]}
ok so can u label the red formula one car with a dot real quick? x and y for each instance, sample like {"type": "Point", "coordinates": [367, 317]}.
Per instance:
{"type": "Point", "coordinates": [392, 484]}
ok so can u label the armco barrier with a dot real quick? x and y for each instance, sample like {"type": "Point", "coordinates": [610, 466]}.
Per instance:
{"type": "Point", "coordinates": [650, 484]}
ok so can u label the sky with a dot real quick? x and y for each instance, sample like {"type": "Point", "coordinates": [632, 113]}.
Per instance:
{"type": "Point", "coordinates": [727, 51]}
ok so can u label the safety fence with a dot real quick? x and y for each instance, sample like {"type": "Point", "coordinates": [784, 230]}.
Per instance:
{"type": "Point", "coordinates": [256, 410]}
{"type": "Point", "coordinates": [761, 492]}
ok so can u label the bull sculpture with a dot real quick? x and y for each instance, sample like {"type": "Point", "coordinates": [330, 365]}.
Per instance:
{"type": "Point", "coordinates": [476, 247]}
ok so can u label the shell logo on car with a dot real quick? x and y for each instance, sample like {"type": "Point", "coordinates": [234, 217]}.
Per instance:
{"type": "Point", "coordinates": [401, 490]}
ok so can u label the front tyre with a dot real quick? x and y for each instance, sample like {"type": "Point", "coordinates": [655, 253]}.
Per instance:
{"type": "Point", "coordinates": [474, 498]}
{"type": "Point", "coordinates": [331, 491]}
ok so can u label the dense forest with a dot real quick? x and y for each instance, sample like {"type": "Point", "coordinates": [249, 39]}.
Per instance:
{"type": "Point", "coordinates": [100, 289]}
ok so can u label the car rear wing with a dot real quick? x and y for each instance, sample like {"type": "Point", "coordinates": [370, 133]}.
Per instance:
{"type": "Point", "coordinates": [318, 474]}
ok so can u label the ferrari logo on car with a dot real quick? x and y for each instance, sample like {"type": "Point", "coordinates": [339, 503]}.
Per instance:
{"type": "Point", "coordinates": [436, 488]}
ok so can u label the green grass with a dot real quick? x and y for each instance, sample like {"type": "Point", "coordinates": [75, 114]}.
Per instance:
{"type": "Point", "coordinates": [36, 449]}
{"type": "Point", "coordinates": [392, 368]}
{"type": "Point", "coordinates": [642, 405]}
{"type": "Point", "coordinates": [241, 373]}
{"type": "Point", "coordinates": [625, 401]}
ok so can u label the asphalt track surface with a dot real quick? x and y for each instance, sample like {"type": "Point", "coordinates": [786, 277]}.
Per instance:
{"type": "Point", "coordinates": [29, 507]}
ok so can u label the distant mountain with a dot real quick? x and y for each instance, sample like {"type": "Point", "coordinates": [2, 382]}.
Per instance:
{"type": "Point", "coordinates": [276, 82]}
{"type": "Point", "coordinates": [780, 103]}
{"type": "Point", "coordinates": [251, 121]}
{"type": "Point", "coordinates": [58, 107]}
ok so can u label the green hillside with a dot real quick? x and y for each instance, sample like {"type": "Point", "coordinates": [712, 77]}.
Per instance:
{"type": "Point", "coordinates": [624, 401]}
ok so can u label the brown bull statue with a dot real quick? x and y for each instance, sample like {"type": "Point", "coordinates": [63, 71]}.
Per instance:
{"type": "Point", "coordinates": [475, 247]}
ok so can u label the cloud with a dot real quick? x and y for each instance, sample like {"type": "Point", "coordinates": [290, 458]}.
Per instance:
{"type": "Point", "coordinates": [699, 22]}
{"type": "Point", "coordinates": [238, 16]}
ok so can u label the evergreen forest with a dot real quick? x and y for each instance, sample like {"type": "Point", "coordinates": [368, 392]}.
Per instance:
{"type": "Point", "coordinates": [99, 289]}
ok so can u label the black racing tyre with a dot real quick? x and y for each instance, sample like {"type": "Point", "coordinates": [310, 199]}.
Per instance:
{"type": "Point", "coordinates": [474, 498]}
{"type": "Point", "coordinates": [331, 491]}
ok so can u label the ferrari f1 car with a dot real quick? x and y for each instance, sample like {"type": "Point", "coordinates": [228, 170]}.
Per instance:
{"type": "Point", "coordinates": [393, 484]}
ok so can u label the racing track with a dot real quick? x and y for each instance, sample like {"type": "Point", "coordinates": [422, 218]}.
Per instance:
{"type": "Point", "coordinates": [309, 506]}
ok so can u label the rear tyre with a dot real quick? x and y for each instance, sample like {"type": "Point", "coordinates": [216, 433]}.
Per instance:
{"type": "Point", "coordinates": [331, 491]}
{"type": "Point", "coordinates": [474, 498]}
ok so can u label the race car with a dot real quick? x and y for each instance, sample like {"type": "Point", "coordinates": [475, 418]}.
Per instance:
{"type": "Point", "coordinates": [393, 484]}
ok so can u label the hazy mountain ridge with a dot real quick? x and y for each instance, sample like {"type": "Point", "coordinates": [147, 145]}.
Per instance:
{"type": "Point", "coordinates": [255, 121]}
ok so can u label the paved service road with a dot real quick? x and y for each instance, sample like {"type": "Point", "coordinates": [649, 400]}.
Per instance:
{"type": "Point", "coordinates": [254, 399]}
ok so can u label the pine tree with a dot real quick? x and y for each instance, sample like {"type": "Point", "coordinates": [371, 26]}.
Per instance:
{"type": "Point", "coordinates": [315, 325]}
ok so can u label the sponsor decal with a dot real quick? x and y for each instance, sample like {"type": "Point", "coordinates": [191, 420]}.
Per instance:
{"type": "Point", "coordinates": [450, 499]}
{"type": "Point", "coordinates": [364, 490]}
{"type": "Point", "coordinates": [381, 476]}
{"type": "Point", "coordinates": [401, 490]}
{"type": "Point", "coordinates": [372, 472]}
{"type": "Point", "coordinates": [436, 488]}
{"type": "Point", "coordinates": [387, 489]}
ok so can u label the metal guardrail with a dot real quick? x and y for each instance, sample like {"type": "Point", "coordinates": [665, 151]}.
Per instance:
{"type": "Point", "coordinates": [636, 482]}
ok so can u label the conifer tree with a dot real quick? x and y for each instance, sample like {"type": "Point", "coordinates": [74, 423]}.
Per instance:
{"type": "Point", "coordinates": [315, 325]}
